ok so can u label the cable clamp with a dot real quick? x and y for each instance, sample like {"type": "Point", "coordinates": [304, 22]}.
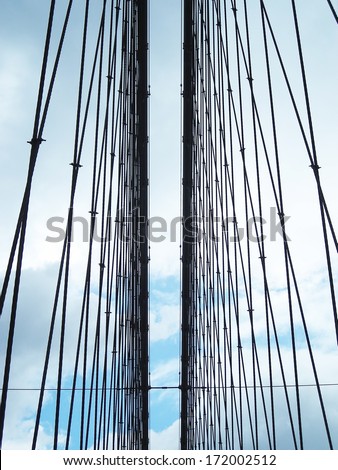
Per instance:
{"type": "Point", "coordinates": [36, 140]}
{"type": "Point", "coordinates": [315, 167]}
{"type": "Point", "coordinates": [75, 165]}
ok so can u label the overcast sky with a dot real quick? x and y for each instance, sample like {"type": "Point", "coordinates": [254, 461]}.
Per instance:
{"type": "Point", "coordinates": [22, 29]}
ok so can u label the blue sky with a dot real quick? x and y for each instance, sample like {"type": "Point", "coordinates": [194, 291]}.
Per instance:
{"type": "Point", "coordinates": [22, 28]}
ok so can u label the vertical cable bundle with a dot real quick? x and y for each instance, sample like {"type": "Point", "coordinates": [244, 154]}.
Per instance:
{"type": "Point", "coordinates": [245, 342]}
{"type": "Point", "coordinates": [103, 403]}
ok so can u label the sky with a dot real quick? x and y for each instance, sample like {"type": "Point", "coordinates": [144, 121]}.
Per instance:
{"type": "Point", "coordinates": [22, 29]}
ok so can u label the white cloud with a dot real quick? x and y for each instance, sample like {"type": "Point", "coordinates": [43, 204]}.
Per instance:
{"type": "Point", "coordinates": [21, 435]}
{"type": "Point", "coordinates": [168, 439]}
{"type": "Point", "coordinates": [165, 373]}
{"type": "Point", "coordinates": [29, 349]}
{"type": "Point", "coordinates": [164, 322]}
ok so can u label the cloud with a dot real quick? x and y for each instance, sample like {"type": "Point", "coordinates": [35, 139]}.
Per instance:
{"type": "Point", "coordinates": [30, 341]}
{"type": "Point", "coordinates": [164, 372]}
{"type": "Point", "coordinates": [168, 439]}
{"type": "Point", "coordinates": [164, 322]}
{"type": "Point", "coordinates": [164, 312]}
{"type": "Point", "coordinates": [20, 437]}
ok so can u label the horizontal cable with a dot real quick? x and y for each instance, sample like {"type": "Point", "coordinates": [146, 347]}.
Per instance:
{"type": "Point", "coordinates": [177, 387]}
